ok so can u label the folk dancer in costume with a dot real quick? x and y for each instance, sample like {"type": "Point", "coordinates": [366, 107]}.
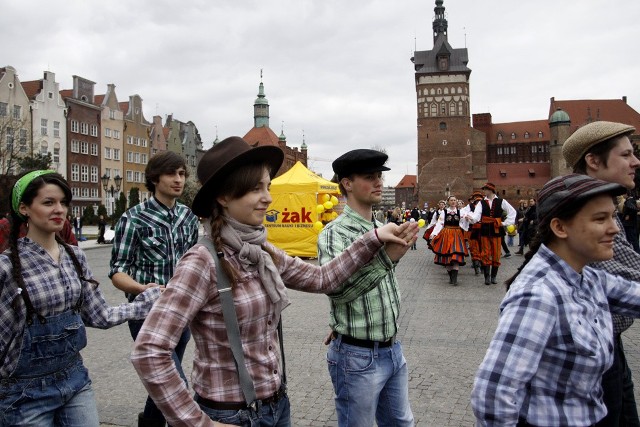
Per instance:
{"type": "Point", "coordinates": [492, 230]}
{"type": "Point", "coordinates": [474, 230]}
{"type": "Point", "coordinates": [437, 221]}
{"type": "Point", "coordinates": [448, 245]}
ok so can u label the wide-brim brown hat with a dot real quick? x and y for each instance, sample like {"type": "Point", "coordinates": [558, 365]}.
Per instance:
{"type": "Point", "coordinates": [577, 145]}
{"type": "Point", "coordinates": [489, 186]}
{"type": "Point", "coordinates": [223, 158]}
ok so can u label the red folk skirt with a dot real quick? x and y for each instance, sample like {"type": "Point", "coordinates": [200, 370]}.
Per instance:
{"type": "Point", "coordinates": [449, 246]}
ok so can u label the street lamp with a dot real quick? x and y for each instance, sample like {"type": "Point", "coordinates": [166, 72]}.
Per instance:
{"type": "Point", "coordinates": [110, 189]}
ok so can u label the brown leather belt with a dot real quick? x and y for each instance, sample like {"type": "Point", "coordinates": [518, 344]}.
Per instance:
{"type": "Point", "coordinates": [237, 406]}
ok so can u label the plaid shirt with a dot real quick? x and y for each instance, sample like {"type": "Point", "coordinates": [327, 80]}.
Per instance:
{"type": "Point", "coordinates": [552, 345]}
{"type": "Point", "coordinates": [54, 288]}
{"type": "Point", "coordinates": [367, 305]}
{"type": "Point", "coordinates": [149, 240]}
{"type": "Point", "coordinates": [191, 298]}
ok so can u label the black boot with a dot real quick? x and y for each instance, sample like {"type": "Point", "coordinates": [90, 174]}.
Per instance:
{"type": "Point", "coordinates": [486, 270]}
{"type": "Point", "coordinates": [450, 272]}
{"type": "Point", "coordinates": [494, 273]}
{"type": "Point", "coordinates": [454, 277]}
{"type": "Point", "coordinates": [149, 422]}
{"type": "Point", "coordinates": [476, 267]}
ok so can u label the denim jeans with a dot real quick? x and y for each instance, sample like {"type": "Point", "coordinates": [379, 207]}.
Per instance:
{"type": "Point", "coordinates": [64, 399]}
{"type": "Point", "coordinates": [274, 415]}
{"type": "Point", "coordinates": [151, 411]}
{"type": "Point", "coordinates": [370, 385]}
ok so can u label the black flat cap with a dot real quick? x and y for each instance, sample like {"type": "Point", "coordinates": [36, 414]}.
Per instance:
{"type": "Point", "coordinates": [360, 161]}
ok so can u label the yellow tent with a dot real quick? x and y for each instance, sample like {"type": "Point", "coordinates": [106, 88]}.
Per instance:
{"type": "Point", "coordinates": [291, 217]}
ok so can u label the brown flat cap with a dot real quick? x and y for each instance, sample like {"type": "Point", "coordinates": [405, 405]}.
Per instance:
{"type": "Point", "coordinates": [577, 145]}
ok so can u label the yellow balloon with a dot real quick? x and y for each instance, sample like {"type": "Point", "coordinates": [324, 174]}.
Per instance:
{"type": "Point", "coordinates": [325, 198]}
{"type": "Point", "coordinates": [317, 226]}
{"type": "Point", "coordinates": [511, 228]}
{"type": "Point", "coordinates": [334, 215]}
{"type": "Point", "coordinates": [421, 223]}
{"type": "Point", "coordinates": [328, 205]}
{"type": "Point", "coordinates": [334, 200]}
{"type": "Point", "coordinates": [320, 209]}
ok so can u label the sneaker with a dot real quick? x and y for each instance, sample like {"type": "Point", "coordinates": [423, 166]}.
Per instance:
{"type": "Point", "coordinates": [507, 255]}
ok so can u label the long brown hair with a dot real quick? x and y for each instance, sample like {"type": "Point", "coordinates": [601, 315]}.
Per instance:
{"type": "Point", "coordinates": [235, 185]}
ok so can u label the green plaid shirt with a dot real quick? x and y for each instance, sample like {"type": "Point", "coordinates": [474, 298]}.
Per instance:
{"type": "Point", "coordinates": [368, 304]}
{"type": "Point", "coordinates": [149, 240]}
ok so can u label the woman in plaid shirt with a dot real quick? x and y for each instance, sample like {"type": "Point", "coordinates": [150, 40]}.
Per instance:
{"type": "Point", "coordinates": [47, 296]}
{"type": "Point", "coordinates": [554, 338]}
{"type": "Point", "coordinates": [235, 197]}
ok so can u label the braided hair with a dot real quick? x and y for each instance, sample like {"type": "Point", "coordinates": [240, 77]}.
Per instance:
{"type": "Point", "coordinates": [235, 185]}
{"type": "Point", "coordinates": [18, 222]}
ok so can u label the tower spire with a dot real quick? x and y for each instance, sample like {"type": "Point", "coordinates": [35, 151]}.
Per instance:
{"type": "Point", "coordinates": [439, 21]}
{"type": "Point", "coordinates": [261, 107]}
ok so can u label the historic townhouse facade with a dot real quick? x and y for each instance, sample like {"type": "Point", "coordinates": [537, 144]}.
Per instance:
{"type": "Point", "coordinates": [16, 140]}
{"type": "Point", "coordinates": [136, 146]}
{"type": "Point", "coordinates": [83, 145]}
{"type": "Point", "coordinates": [184, 139]}
{"type": "Point", "coordinates": [49, 124]}
{"type": "Point", "coordinates": [157, 136]}
{"type": "Point", "coordinates": [111, 174]}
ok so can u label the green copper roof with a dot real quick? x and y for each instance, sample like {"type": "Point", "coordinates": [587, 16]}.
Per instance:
{"type": "Point", "coordinates": [559, 116]}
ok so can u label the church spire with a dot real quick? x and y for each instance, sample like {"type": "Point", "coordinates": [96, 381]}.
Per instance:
{"type": "Point", "coordinates": [439, 21]}
{"type": "Point", "coordinates": [261, 108]}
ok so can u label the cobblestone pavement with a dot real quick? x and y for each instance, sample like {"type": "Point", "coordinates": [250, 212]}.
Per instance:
{"type": "Point", "coordinates": [444, 329]}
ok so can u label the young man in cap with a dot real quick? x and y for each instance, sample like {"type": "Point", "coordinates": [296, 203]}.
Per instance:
{"type": "Point", "coordinates": [492, 230]}
{"type": "Point", "coordinates": [364, 312]}
{"type": "Point", "coordinates": [149, 240]}
{"type": "Point", "coordinates": [604, 151]}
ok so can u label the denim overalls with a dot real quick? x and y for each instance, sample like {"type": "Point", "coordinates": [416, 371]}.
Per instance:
{"type": "Point", "coordinates": [50, 385]}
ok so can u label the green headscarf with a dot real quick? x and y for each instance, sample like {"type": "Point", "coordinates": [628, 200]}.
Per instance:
{"type": "Point", "coordinates": [21, 185]}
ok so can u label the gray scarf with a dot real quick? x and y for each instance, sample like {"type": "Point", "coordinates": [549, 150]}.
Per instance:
{"type": "Point", "coordinates": [247, 240]}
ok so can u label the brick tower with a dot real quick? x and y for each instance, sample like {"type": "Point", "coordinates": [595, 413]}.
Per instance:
{"type": "Point", "coordinates": [447, 145]}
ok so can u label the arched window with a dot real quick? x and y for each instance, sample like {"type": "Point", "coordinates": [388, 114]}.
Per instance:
{"type": "Point", "coordinates": [499, 136]}
{"type": "Point", "coordinates": [526, 135]}
{"type": "Point", "coordinates": [513, 135]}
{"type": "Point", "coordinates": [443, 109]}
{"type": "Point", "coordinates": [434, 109]}
{"type": "Point", "coordinates": [439, 91]}
{"type": "Point", "coordinates": [452, 109]}
{"type": "Point", "coordinates": [460, 109]}
{"type": "Point", "coordinates": [443, 126]}
{"type": "Point", "coordinates": [44, 148]}
{"type": "Point", "coordinates": [446, 91]}
{"type": "Point", "coordinates": [540, 134]}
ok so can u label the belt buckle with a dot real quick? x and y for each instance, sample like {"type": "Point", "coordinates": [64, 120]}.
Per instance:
{"type": "Point", "coordinates": [255, 407]}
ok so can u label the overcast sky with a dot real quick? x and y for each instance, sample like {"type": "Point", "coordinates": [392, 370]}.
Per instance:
{"type": "Point", "coordinates": [336, 70]}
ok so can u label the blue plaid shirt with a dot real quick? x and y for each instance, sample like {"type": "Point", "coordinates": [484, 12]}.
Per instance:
{"type": "Point", "coordinates": [54, 288]}
{"type": "Point", "coordinates": [553, 343]}
{"type": "Point", "coordinates": [150, 239]}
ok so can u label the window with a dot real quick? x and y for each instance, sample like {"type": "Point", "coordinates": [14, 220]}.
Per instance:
{"type": "Point", "coordinates": [44, 148]}
{"type": "Point", "coordinates": [136, 156]}
{"type": "Point", "coordinates": [75, 172]}
{"type": "Point", "coordinates": [56, 153]}
{"type": "Point", "coordinates": [74, 126]}
{"type": "Point", "coordinates": [443, 126]}
{"type": "Point", "coordinates": [129, 140]}
{"type": "Point", "coordinates": [94, 149]}
{"type": "Point", "coordinates": [540, 134]}
{"type": "Point", "coordinates": [452, 109]}
{"type": "Point", "coordinates": [94, 174]}
{"type": "Point", "coordinates": [75, 146]}
{"type": "Point", "coordinates": [23, 137]}
{"type": "Point", "coordinates": [84, 147]}
{"type": "Point", "coordinates": [107, 132]}
{"type": "Point", "coordinates": [50, 95]}
{"type": "Point", "coordinates": [84, 173]}
{"type": "Point", "coordinates": [526, 135]}
{"type": "Point", "coordinates": [112, 114]}
{"type": "Point", "coordinates": [499, 151]}
{"type": "Point", "coordinates": [116, 172]}
{"type": "Point", "coordinates": [43, 126]}
{"type": "Point", "coordinates": [130, 156]}
{"type": "Point", "coordinates": [443, 109]}
{"type": "Point", "coordinates": [143, 142]}
{"type": "Point", "coordinates": [94, 192]}
{"type": "Point", "coordinates": [85, 192]}
{"type": "Point", "coordinates": [434, 109]}
{"type": "Point", "coordinates": [500, 136]}
{"type": "Point", "coordinates": [137, 141]}
{"type": "Point", "coordinates": [56, 129]}
{"type": "Point", "coordinates": [116, 154]}
{"type": "Point", "coordinates": [94, 130]}
{"type": "Point", "coordinates": [17, 112]}
{"type": "Point", "coordinates": [84, 128]}
{"type": "Point", "coordinates": [143, 159]}
{"type": "Point", "coordinates": [534, 149]}
{"type": "Point", "coordinates": [116, 134]}
{"type": "Point", "coordinates": [136, 176]}
{"type": "Point", "coordinates": [3, 109]}
{"type": "Point", "coordinates": [513, 135]}
{"type": "Point", "coordinates": [512, 150]}
{"type": "Point", "coordinates": [129, 176]}
{"type": "Point", "coordinates": [107, 153]}
{"type": "Point", "coordinates": [10, 138]}
{"type": "Point", "coordinates": [460, 109]}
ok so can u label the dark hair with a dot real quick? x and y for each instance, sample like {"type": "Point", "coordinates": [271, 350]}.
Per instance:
{"type": "Point", "coordinates": [600, 150]}
{"type": "Point", "coordinates": [543, 233]}
{"type": "Point", "coordinates": [17, 221]}
{"type": "Point", "coordinates": [235, 185]}
{"type": "Point", "coordinates": [163, 163]}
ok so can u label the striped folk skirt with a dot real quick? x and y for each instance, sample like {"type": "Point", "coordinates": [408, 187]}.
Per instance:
{"type": "Point", "coordinates": [449, 246]}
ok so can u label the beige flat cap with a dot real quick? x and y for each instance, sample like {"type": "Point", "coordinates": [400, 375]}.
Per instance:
{"type": "Point", "coordinates": [577, 145]}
